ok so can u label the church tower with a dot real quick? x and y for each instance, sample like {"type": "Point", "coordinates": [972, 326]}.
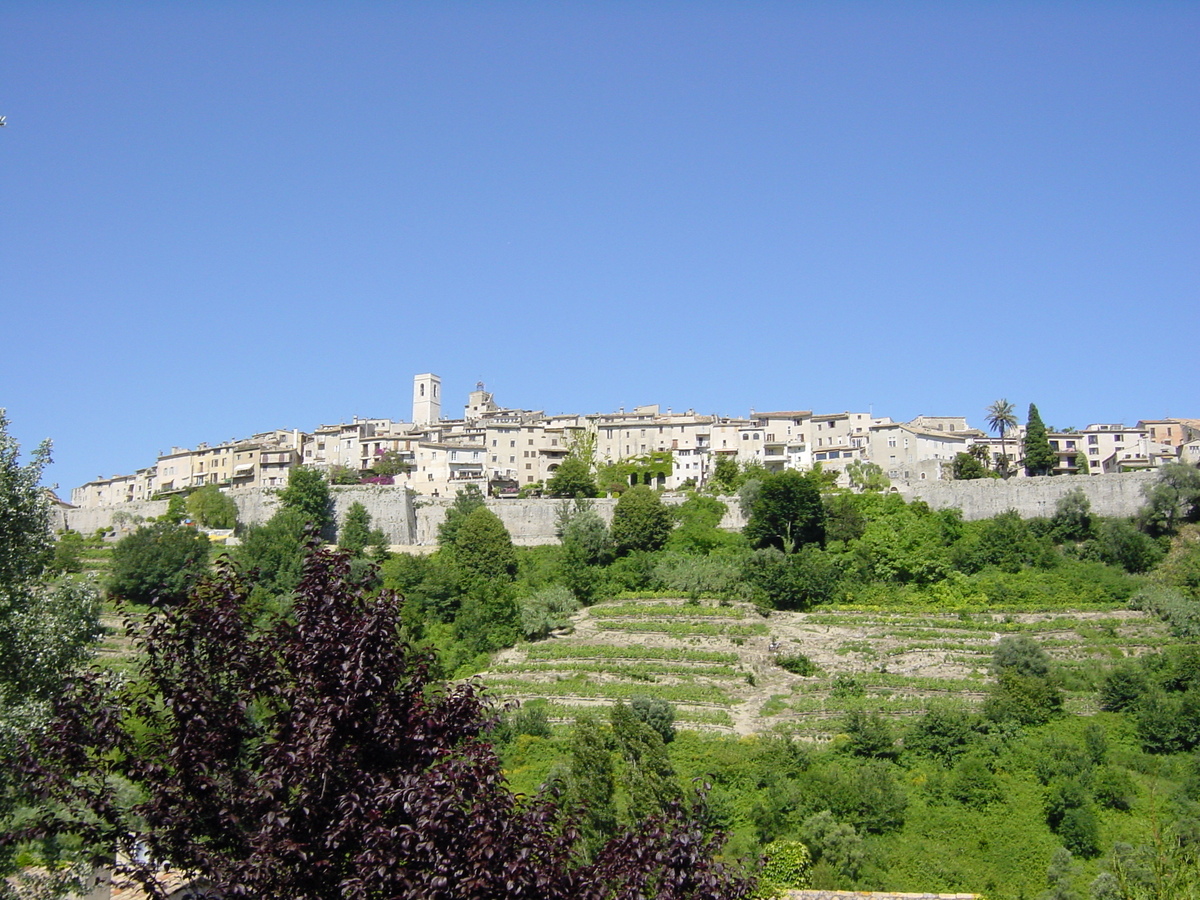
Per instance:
{"type": "Point", "coordinates": [427, 399]}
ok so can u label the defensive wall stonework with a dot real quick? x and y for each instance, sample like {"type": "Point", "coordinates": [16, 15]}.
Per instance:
{"type": "Point", "coordinates": [1110, 495]}
{"type": "Point", "coordinates": [412, 520]}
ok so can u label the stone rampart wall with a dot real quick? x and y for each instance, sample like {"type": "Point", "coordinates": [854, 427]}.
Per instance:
{"type": "Point", "coordinates": [1110, 495]}
{"type": "Point", "coordinates": [410, 519]}
{"type": "Point", "coordinates": [86, 520]}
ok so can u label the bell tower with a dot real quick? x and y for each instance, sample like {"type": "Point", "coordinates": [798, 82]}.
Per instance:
{"type": "Point", "coordinates": [427, 399]}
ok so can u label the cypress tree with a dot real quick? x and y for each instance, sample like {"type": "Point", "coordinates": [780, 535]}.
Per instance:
{"type": "Point", "coordinates": [1040, 457]}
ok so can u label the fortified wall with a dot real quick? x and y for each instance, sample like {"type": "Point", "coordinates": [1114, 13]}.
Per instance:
{"type": "Point", "coordinates": [412, 520]}
{"type": "Point", "coordinates": [1110, 495]}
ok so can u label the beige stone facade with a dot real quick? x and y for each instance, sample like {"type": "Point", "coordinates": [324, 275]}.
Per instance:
{"type": "Point", "coordinates": [501, 450]}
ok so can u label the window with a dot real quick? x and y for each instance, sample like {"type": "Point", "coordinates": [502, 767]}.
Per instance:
{"type": "Point", "coordinates": [531, 442]}
{"type": "Point", "coordinates": [891, 442]}
{"type": "Point", "coordinates": [512, 443]}
{"type": "Point", "coordinates": [529, 465]}
{"type": "Point", "coordinates": [1092, 439]}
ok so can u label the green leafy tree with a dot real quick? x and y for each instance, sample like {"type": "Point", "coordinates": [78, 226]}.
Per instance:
{"type": "Point", "coordinates": [867, 477]}
{"type": "Point", "coordinates": [698, 531]}
{"type": "Point", "coordinates": [176, 512]}
{"type": "Point", "coordinates": [390, 462]}
{"type": "Point", "coordinates": [586, 548]}
{"type": "Point", "coordinates": [68, 553]}
{"type": "Point", "coordinates": [657, 713]}
{"type": "Point", "coordinates": [1082, 466]}
{"type": "Point", "coordinates": [344, 475]}
{"type": "Point", "coordinates": [967, 467]}
{"type": "Point", "coordinates": [800, 580]}
{"type": "Point", "coordinates": [591, 782]}
{"type": "Point", "coordinates": [466, 500]}
{"type": "Point", "coordinates": [649, 777]}
{"type": "Point", "coordinates": [1021, 655]}
{"type": "Point", "coordinates": [1172, 500]}
{"type": "Point", "coordinates": [868, 735]}
{"type": "Point", "coordinates": [210, 508]}
{"type": "Point", "coordinates": [546, 610]}
{"type": "Point", "coordinates": [641, 521]}
{"type": "Point", "coordinates": [1072, 519]}
{"type": "Point", "coordinates": [573, 478]}
{"type": "Point", "coordinates": [1001, 418]}
{"type": "Point", "coordinates": [483, 548]}
{"type": "Point", "coordinates": [787, 513]}
{"type": "Point", "coordinates": [307, 492]}
{"type": "Point", "coordinates": [272, 554]}
{"type": "Point", "coordinates": [46, 629]}
{"type": "Point", "coordinates": [1040, 458]}
{"type": "Point", "coordinates": [356, 534]}
{"type": "Point", "coordinates": [159, 562]}
{"type": "Point", "coordinates": [837, 843]}
{"type": "Point", "coordinates": [726, 477]}
{"type": "Point", "coordinates": [1118, 542]}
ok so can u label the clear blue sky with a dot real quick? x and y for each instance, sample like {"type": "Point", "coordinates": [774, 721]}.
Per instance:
{"type": "Point", "coordinates": [223, 217]}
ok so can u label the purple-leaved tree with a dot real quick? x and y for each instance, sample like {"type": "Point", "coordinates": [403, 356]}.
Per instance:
{"type": "Point", "coordinates": [315, 757]}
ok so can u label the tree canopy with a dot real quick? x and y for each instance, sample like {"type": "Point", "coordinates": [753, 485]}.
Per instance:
{"type": "Point", "coordinates": [1040, 458]}
{"type": "Point", "coordinates": [46, 629]}
{"type": "Point", "coordinates": [158, 562]}
{"type": "Point", "coordinates": [308, 492]}
{"type": "Point", "coordinates": [210, 508]}
{"type": "Point", "coordinates": [572, 479]}
{"type": "Point", "coordinates": [787, 511]}
{"type": "Point", "coordinates": [641, 521]}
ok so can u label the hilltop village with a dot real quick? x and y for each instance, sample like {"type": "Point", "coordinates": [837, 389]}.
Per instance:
{"type": "Point", "coordinates": [505, 451]}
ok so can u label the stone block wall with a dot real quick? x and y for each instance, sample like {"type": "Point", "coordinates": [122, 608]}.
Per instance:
{"type": "Point", "coordinates": [410, 519]}
{"type": "Point", "coordinates": [1110, 495]}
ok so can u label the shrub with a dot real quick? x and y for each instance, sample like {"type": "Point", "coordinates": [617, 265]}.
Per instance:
{"type": "Point", "coordinates": [1021, 656]}
{"type": "Point", "coordinates": [640, 520]}
{"type": "Point", "coordinates": [546, 610]}
{"type": "Point", "coordinates": [972, 782]}
{"type": "Point", "coordinates": [158, 562]}
{"type": "Point", "coordinates": [1026, 700]}
{"type": "Point", "coordinates": [870, 736]}
{"type": "Point", "coordinates": [787, 866]}
{"type": "Point", "coordinates": [943, 732]}
{"type": "Point", "coordinates": [799, 580]}
{"type": "Point", "coordinates": [837, 843]}
{"type": "Point", "coordinates": [1122, 689]}
{"type": "Point", "coordinates": [211, 508]}
{"type": "Point", "coordinates": [657, 713]}
{"type": "Point", "coordinates": [1119, 543]}
{"type": "Point", "coordinates": [797, 664]}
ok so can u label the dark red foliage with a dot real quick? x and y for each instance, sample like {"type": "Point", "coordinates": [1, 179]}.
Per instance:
{"type": "Point", "coordinates": [316, 758]}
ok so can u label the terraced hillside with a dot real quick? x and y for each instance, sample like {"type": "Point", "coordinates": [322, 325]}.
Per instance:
{"type": "Point", "coordinates": [720, 664]}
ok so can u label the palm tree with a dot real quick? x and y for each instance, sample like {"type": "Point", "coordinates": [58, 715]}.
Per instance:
{"type": "Point", "coordinates": [1000, 417]}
